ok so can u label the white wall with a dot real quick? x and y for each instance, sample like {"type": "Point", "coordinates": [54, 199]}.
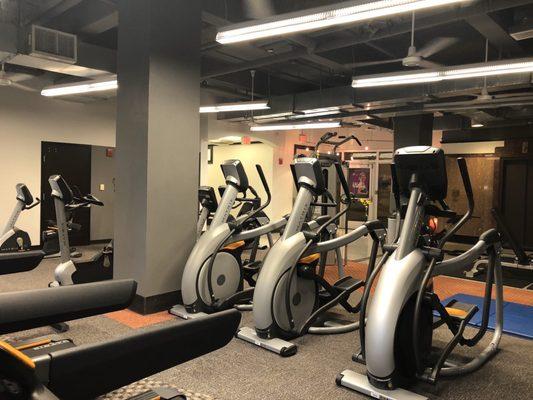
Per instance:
{"type": "Point", "coordinates": [26, 119]}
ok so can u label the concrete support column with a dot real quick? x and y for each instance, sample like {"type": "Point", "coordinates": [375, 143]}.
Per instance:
{"type": "Point", "coordinates": [158, 144]}
{"type": "Point", "coordinates": [413, 130]}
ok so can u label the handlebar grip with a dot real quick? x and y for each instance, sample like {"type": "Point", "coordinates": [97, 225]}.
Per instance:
{"type": "Point", "coordinates": [263, 179]}
{"type": "Point", "coordinates": [327, 136]}
{"type": "Point", "coordinates": [254, 193]}
{"type": "Point", "coordinates": [463, 168]}
{"type": "Point", "coordinates": [342, 179]}
{"type": "Point", "coordinates": [395, 186]}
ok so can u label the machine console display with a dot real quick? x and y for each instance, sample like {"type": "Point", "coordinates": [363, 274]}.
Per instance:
{"type": "Point", "coordinates": [23, 194]}
{"type": "Point", "coordinates": [207, 198]}
{"type": "Point", "coordinates": [234, 174]}
{"type": "Point", "coordinates": [307, 170]}
{"type": "Point", "coordinates": [429, 165]}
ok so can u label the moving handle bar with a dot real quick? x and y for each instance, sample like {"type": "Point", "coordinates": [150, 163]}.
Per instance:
{"type": "Point", "coordinates": [32, 309]}
{"type": "Point", "coordinates": [88, 371]}
{"type": "Point", "coordinates": [325, 139]}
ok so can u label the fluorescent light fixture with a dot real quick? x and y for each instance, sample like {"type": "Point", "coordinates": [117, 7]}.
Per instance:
{"type": "Point", "coordinates": [273, 116]}
{"type": "Point", "coordinates": [289, 127]}
{"type": "Point", "coordinates": [241, 106]}
{"type": "Point", "coordinates": [319, 18]}
{"type": "Point", "coordinates": [403, 79]}
{"type": "Point", "coordinates": [80, 87]}
{"type": "Point", "coordinates": [321, 110]}
{"type": "Point", "coordinates": [477, 125]}
{"type": "Point", "coordinates": [504, 67]}
{"type": "Point", "coordinates": [316, 114]}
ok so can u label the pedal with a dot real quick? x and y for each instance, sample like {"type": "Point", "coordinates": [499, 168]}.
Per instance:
{"type": "Point", "coordinates": [161, 393]}
{"type": "Point", "coordinates": [348, 284]}
{"type": "Point", "coordinates": [254, 266]}
{"type": "Point", "coordinates": [461, 311]}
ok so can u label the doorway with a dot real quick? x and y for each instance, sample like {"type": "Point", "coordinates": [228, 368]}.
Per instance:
{"type": "Point", "coordinates": [73, 162]}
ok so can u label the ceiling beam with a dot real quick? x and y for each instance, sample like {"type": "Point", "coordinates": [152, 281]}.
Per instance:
{"type": "Point", "coordinates": [478, 8]}
{"type": "Point", "coordinates": [388, 100]}
{"type": "Point", "coordinates": [495, 34]}
{"type": "Point", "coordinates": [254, 64]}
{"type": "Point", "coordinates": [54, 12]}
{"type": "Point", "coordinates": [100, 25]}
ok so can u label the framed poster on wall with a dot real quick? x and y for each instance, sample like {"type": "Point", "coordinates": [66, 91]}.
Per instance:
{"type": "Point", "coordinates": [359, 182]}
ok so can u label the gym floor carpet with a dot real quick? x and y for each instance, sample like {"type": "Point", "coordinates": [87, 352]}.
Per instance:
{"type": "Point", "coordinates": [243, 371]}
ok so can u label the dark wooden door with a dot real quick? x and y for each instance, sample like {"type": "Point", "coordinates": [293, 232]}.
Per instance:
{"type": "Point", "coordinates": [73, 162]}
{"type": "Point", "coordinates": [517, 199]}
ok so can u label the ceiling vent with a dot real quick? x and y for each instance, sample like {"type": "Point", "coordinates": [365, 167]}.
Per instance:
{"type": "Point", "coordinates": [53, 45]}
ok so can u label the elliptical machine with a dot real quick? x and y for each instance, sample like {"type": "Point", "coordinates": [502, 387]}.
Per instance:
{"type": "Point", "coordinates": [12, 238]}
{"type": "Point", "coordinates": [69, 272]}
{"type": "Point", "coordinates": [291, 298]}
{"type": "Point", "coordinates": [211, 284]}
{"type": "Point", "coordinates": [396, 344]}
{"type": "Point", "coordinates": [15, 245]}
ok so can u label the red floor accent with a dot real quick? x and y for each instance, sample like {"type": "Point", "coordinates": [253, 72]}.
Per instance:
{"type": "Point", "coordinates": [135, 321]}
{"type": "Point", "coordinates": [444, 286]}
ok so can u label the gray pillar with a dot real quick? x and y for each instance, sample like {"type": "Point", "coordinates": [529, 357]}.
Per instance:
{"type": "Point", "coordinates": [158, 135]}
{"type": "Point", "coordinates": [413, 130]}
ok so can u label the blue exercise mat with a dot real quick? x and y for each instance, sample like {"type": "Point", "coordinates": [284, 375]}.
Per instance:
{"type": "Point", "coordinates": [517, 318]}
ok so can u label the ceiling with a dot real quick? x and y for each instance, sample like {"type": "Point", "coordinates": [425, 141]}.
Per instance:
{"type": "Point", "coordinates": [315, 69]}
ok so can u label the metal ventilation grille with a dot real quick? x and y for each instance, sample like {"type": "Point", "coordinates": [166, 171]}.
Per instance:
{"type": "Point", "coordinates": [52, 44]}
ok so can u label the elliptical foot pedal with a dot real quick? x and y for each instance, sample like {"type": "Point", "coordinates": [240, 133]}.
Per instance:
{"type": "Point", "coordinates": [348, 284]}
{"type": "Point", "coordinates": [181, 312]}
{"type": "Point", "coordinates": [359, 383]}
{"type": "Point", "coordinates": [461, 311]}
{"type": "Point", "coordinates": [162, 393]}
{"type": "Point", "coordinates": [275, 345]}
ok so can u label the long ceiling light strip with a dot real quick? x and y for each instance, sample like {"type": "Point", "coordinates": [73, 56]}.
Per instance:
{"type": "Point", "coordinates": [230, 107]}
{"type": "Point", "coordinates": [352, 11]}
{"type": "Point", "coordinates": [289, 127]}
{"type": "Point", "coordinates": [452, 73]}
{"type": "Point", "coordinates": [79, 88]}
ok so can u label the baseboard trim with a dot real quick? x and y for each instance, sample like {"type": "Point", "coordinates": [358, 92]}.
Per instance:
{"type": "Point", "coordinates": [150, 305]}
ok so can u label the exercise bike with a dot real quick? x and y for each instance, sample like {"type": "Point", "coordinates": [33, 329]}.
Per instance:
{"type": "Point", "coordinates": [68, 272]}
{"type": "Point", "coordinates": [396, 343]}
{"type": "Point", "coordinates": [214, 283]}
{"type": "Point", "coordinates": [291, 298]}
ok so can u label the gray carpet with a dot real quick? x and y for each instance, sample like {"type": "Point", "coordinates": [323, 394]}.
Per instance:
{"type": "Point", "coordinates": [243, 371]}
